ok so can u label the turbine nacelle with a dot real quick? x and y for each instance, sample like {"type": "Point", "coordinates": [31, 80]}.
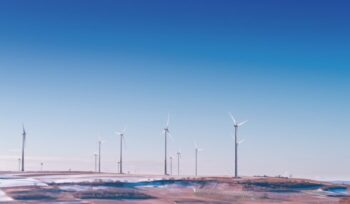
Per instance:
{"type": "Point", "coordinates": [121, 133]}
{"type": "Point", "coordinates": [178, 153]}
{"type": "Point", "coordinates": [166, 130]}
{"type": "Point", "coordinates": [197, 147]}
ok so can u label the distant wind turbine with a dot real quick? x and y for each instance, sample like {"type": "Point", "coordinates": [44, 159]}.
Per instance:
{"type": "Point", "coordinates": [178, 162]}
{"type": "Point", "coordinates": [166, 133]}
{"type": "Point", "coordinates": [121, 134]}
{"type": "Point", "coordinates": [197, 149]}
{"type": "Point", "coordinates": [99, 155]}
{"type": "Point", "coordinates": [236, 125]}
{"type": "Point", "coordinates": [41, 166]}
{"type": "Point", "coordinates": [24, 134]}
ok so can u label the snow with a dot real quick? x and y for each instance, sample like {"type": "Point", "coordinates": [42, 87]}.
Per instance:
{"type": "Point", "coordinates": [81, 188]}
{"type": "Point", "coordinates": [4, 197]}
{"type": "Point", "coordinates": [16, 182]}
{"type": "Point", "coordinates": [94, 178]}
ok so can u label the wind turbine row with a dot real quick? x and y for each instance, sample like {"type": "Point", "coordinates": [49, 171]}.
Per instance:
{"type": "Point", "coordinates": [166, 132]}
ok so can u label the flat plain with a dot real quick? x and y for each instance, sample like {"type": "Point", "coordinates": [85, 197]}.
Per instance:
{"type": "Point", "coordinates": [87, 187]}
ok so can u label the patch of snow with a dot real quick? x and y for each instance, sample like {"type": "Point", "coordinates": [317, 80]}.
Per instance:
{"type": "Point", "coordinates": [4, 197]}
{"type": "Point", "coordinates": [81, 188]}
{"type": "Point", "coordinates": [97, 179]}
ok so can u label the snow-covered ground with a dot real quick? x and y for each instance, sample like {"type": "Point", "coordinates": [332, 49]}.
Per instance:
{"type": "Point", "coordinates": [60, 179]}
{"type": "Point", "coordinates": [17, 181]}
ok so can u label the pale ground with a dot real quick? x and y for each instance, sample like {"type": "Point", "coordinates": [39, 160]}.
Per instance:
{"type": "Point", "coordinates": [84, 187]}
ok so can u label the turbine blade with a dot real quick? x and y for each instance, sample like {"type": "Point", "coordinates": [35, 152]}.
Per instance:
{"type": "Point", "coordinates": [233, 118]}
{"type": "Point", "coordinates": [124, 142]}
{"type": "Point", "coordinates": [242, 123]}
{"type": "Point", "coordinates": [241, 141]}
{"type": "Point", "coordinates": [170, 136]}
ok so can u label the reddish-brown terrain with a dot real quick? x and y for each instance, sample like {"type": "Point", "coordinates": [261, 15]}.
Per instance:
{"type": "Point", "coordinates": [82, 187]}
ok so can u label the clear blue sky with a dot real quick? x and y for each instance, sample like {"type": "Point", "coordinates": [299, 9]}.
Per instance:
{"type": "Point", "coordinates": [74, 70]}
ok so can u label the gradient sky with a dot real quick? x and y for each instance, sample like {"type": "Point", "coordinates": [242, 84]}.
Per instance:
{"type": "Point", "coordinates": [73, 71]}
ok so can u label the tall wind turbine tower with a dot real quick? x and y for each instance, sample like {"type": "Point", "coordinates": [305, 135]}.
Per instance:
{"type": "Point", "coordinates": [166, 133]}
{"type": "Point", "coordinates": [24, 134]}
{"type": "Point", "coordinates": [121, 134]}
{"type": "Point", "coordinates": [197, 149]}
{"type": "Point", "coordinates": [99, 156]}
{"type": "Point", "coordinates": [178, 162]}
{"type": "Point", "coordinates": [236, 126]}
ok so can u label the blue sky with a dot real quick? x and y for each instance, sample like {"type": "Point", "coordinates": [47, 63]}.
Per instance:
{"type": "Point", "coordinates": [75, 71]}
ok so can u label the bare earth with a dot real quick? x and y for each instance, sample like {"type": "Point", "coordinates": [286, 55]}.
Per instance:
{"type": "Point", "coordinates": [85, 187]}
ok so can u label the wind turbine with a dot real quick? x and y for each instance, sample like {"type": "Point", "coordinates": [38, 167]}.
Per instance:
{"type": "Point", "coordinates": [121, 134]}
{"type": "Point", "coordinates": [178, 162]}
{"type": "Point", "coordinates": [41, 166]}
{"type": "Point", "coordinates": [197, 149]}
{"type": "Point", "coordinates": [236, 125]}
{"type": "Point", "coordinates": [166, 133]}
{"type": "Point", "coordinates": [99, 155]}
{"type": "Point", "coordinates": [24, 134]}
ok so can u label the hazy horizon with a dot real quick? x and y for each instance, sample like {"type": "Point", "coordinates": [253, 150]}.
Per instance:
{"type": "Point", "coordinates": [75, 71]}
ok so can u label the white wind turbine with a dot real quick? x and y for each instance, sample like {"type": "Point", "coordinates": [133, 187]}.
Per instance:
{"type": "Point", "coordinates": [166, 133]}
{"type": "Point", "coordinates": [121, 134]}
{"type": "Point", "coordinates": [99, 154]}
{"type": "Point", "coordinates": [95, 157]}
{"type": "Point", "coordinates": [24, 135]}
{"type": "Point", "coordinates": [178, 162]}
{"type": "Point", "coordinates": [237, 142]}
{"type": "Point", "coordinates": [197, 149]}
